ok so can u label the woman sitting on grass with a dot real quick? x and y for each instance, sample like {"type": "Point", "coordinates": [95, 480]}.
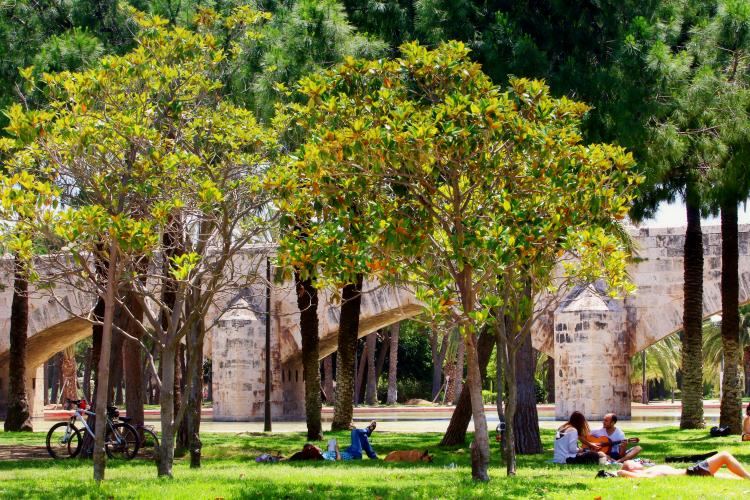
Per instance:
{"type": "Point", "coordinates": [746, 425]}
{"type": "Point", "coordinates": [708, 467]}
{"type": "Point", "coordinates": [566, 443]}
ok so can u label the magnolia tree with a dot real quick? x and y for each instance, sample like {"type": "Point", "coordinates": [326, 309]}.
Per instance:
{"type": "Point", "coordinates": [152, 165]}
{"type": "Point", "coordinates": [470, 190]}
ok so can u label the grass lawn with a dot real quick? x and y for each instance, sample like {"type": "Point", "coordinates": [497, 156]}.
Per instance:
{"type": "Point", "coordinates": [229, 471]}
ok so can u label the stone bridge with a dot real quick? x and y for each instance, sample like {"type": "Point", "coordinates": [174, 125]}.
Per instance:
{"type": "Point", "coordinates": [590, 336]}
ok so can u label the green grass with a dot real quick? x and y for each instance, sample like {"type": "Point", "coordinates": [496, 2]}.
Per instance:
{"type": "Point", "coordinates": [229, 471]}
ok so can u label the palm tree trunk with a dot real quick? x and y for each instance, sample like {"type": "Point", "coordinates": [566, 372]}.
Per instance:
{"type": "Point", "coordinates": [347, 344]}
{"type": "Point", "coordinates": [307, 300]}
{"type": "Point", "coordinates": [731, 400]}
{"type": "Point", "coordinates": [692, 350]}
{"type": "Point", "coordinates": [455, 434]}
{"type": "Point", "coordinates": [371, 396]}
{"type": "Point", "coordinates": [551, 379]}
{"type": "Point", "coordinates": [360, 371]}
{"type": "Point", "coordinates": [18, 417]}
{"type": "Point", "coordinates": [393, 366]}
{"type": "Point", "coordinates": [69, 374]}
{"type": "Point", "coordinates": [746, 365]}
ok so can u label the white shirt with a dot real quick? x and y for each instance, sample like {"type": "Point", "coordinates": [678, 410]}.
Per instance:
{"type": "Point", "coordinates": [566, 445]}
{"type": "Point", "coordinates": [617, 435]}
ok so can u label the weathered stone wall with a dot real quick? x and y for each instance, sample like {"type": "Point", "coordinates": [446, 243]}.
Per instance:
{"type": "Point", "coordinates": [591, 361]}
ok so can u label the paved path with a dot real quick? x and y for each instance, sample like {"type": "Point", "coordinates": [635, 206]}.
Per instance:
{"type": "Point", "coordinates": [422, 418]}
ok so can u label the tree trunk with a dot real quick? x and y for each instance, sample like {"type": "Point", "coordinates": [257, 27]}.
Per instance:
{"type": "Point", "coordinates": [731, 400]}
{"type": "Point", "coordinates": [692, 355]}
{"type": "Point", "coordinates": [133, 363]}
{"type": "Point", "coordinates": [55, 378]}
{"type": "Point", "coordinates": [87, 375]}
{"type": "Point", "coordinates": [347, 344]}
{"type": "Point", "coordinates": [307, 300]}
{"type": "Point", "coordinates": [499, 381]}
{"type": "Point", "coordinates": [181, 438]}
{"type": "Point", "coordinates": [526, 420]}
{"type": "Point", "coordinates": [69, 373]}
{"type": "Point", "coordinates": [194, 392]}
{"type": "Point", "coordinates": [458, 372]}
{"type": "Point", "coordinates": [438, 357]}
{"type": "Point", "coordinates": [746, 366]}
{"type": "Point", "coordinates": [46, 382]}
{"type": "Point", "coordinates": [166, 403]}
{"type": "Point", "coordinates": [481, 437]}
{"type": "Point", "coordinates": [371, 396]}
{"type": "Point", "coordinates": [455, 434]}
{"type": "Point", "coordinates": [551, 379]}
{"type": "Point", "coordinates": [383, 353]}
{"type": "Point", "coordinates": [115, 360]}
{"type": "Point", "coordinates": [328, 379]}
{"type": "Point", "coordinates": [18, 417]}
{"type": "Point", "coordinates": [393, 366]}
{"type": "Point", "coordinates": [361, 366]}
{"type": "Point", "coordinates": [509, 368]}
{"type": "Point", "coordinates": [103, 368]}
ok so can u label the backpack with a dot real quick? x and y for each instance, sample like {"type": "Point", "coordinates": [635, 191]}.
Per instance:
{"type": "Point", "coordinates": [719, 431]}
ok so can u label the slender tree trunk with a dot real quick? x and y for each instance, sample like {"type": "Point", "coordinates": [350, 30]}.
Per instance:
{"type": "Point", "coordinates": [371, 396]}
{"type": "Point", "coordinates": [133, 362]}
{"type": "Point", "coordinates": [55, 378]}
{"type": "Point", "coordinates": [194, 392]}
{"type": "Point", "coordinates": [181, 440]}
{"type": "Point", "coordinates": [46, 383]}
{"type": "Point", "coordinates": [393, 366]}
{"type": "Point", "coordinates": [166, 402]}
{"type": "Point", "coordinates": [347, 343]}
{"type": "Point", "coordinates": [87, 375]}
{"type": "Point", "coordinates": [526, 420]}
{"type": "Point", "coordinates": [103, 368]}
{"type": "Point", "coordinates": [746, 365]}
{"type": "Point", "coordinates": [361, 366]}
{"type": "Point", "coordinates": [115, 359]}
{"type": "Point", "coordinates": [731, 401]}
{"type": "Point", "coordinates": [307, 300]}
{"type": "Point", "coordinates": [383, 353]}
{"type": "Point", "coordinates": [18, 416]}
{"type": "Point", "coordinates": [437, 365]}
{"type": "Point", "coordinates": [692, 355]}
{"type": "Point", "coordinates": [455, 434]}
{"type": "Point", "coordinates": [551, 379]}
{"type": "Point", "coordinates": [509, 368]}
{"type": "Point", "coordinates": [499, 380]}
{"type": "Point", "coordinates": [328, 379]}
{"type": "Point", "coordinates": [458, 373]}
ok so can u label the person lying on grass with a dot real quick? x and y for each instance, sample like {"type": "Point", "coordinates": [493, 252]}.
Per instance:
{"type": "Point", "coordinates": [708, 467]}
{"type": "Point", "coordinates": [360, 443]}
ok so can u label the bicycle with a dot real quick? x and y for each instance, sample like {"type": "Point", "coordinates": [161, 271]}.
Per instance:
{"type": "Point", "coordinates": [64, 439]}
{"type": "Point", "coordinates": [148, 444]}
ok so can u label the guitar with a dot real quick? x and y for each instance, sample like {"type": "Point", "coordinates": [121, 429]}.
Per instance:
{"type": "Point", "coordinates": [606, 444]}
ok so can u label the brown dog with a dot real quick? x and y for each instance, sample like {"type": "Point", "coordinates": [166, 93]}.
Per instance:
{"type": "Point", "coordinates": [409, 456]}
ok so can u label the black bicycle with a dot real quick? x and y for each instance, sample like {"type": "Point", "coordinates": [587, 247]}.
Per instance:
{"type": "Point", "coordinates": [64, 439]}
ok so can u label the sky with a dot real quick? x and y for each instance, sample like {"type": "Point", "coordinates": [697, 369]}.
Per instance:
{"type": "Point", "coordinates": [673, 215]}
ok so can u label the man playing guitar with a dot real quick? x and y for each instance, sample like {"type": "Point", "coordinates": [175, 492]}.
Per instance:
{"type": "Point", "coordinates": [611, 434]}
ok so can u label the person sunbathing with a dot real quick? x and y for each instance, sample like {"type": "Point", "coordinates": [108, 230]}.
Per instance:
{"type": "Point", "coordinates": [708, 467]}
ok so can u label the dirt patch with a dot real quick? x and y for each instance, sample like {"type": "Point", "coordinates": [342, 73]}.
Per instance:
{"type": "Point", "coordinates": [23, 452]}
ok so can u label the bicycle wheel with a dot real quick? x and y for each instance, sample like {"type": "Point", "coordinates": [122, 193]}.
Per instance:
{"type": "Point", "coordinates": [121, 441]}
{"type": "Point", "coordinates": [149, 445]}
{"type": "Point", "coordinates": [63, 440]}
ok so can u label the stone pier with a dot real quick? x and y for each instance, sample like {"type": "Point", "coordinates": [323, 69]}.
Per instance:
{"type": "Point", "coordinates": [592, 372]}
